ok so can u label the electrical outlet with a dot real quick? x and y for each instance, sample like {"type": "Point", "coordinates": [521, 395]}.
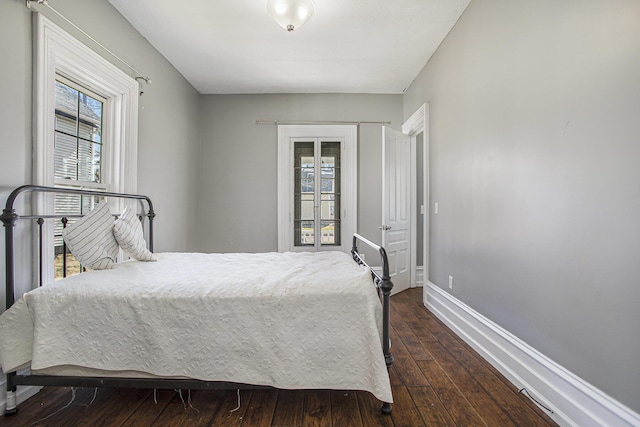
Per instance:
{"type": "Point", "coordinates": [450, 282]}
{"type": "Point", "coordinates": [435, 208]}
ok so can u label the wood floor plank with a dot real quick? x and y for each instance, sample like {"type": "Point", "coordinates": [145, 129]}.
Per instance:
{"type": "Point", "coordinates": [407, 369]}
{"type": "Point", "coordinates": [407, 314]}
{"type": "Point", "coordinates": [199, 410]}
{"type": "Point", "coordinates": [409, 372]}
{"type": "Point", "coordinates": [113, 406]}
{"type": "Point", "coordinates": [75, 408]}
{"type": "Point", "coordinates": [404, 413]}
{"type": "Point", "coordinates": [39, 406]}
{"type": "Point", "coordinates": [412, 337]}
{"type": "Point", "coordinates": [261, 408]}
{"type": "Point", "coordinates": [289, 408]}
{"type": "Point", "coordinates": [370, 411]}
{"type": "Point", "coordinates": [317, 408]}
{"type": "Point", "coordinates": [459, 408]}
{"type": "Point", "coordinates": [482, 401]}
{"type": "Point", "coordinates": [434, 373]}
{"type": "Point", "coordinates": [445, 359]}
{"type": "Point", "coordinates": [431, 410]}
{"type": "Point", "coordinates": [416, 347]}
{"type": "Point", "coordinates": [150, 409]}
{"type": "Point", "coordinates": [516, 408]}
{"type": "Point", "coordinates": [344, 409]}
{"type": "Point", "coordinates": [453, 360]}
{"type": "Point", "coordinates": [456, 404]}
{"type": "Point", "coordinates": [465, 355]}
{"type": "Point", "coordinates": [231, 411]}
{"type": "Point", "coordinates": [394, 377]}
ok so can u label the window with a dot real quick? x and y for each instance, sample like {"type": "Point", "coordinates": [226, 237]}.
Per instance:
{"type": "Point", "coordinates": [85, 129]}
{"type": "Point", "coordinates": [77, 153]}
{"type": "Point", "coordinates": [316, 187]}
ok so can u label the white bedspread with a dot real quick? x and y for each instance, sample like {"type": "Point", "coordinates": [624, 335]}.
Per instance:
{"type": "Point", "coordinates": [292, 320]}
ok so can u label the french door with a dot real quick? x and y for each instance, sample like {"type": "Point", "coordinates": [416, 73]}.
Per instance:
{"type": "Point", "coordinates": [317, 194]}
{"type": "Point", "coordinates": [317, 187]}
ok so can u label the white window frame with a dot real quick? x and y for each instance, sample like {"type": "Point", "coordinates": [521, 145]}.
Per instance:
{"type": "Point", "coordinates": [348, 135]}
{"type": "Point", "coordinates": [59, 53]}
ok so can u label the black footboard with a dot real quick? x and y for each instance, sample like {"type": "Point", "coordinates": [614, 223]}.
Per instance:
{"type": "Point", "coordinates": [384, 284]}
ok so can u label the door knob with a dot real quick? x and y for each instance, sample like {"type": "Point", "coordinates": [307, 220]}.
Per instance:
{"type": "Point", "coordinates": [385, 227]}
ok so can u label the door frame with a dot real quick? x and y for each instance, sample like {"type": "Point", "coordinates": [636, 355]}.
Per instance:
{"type": "Point", "coordinates": [419, 122]}
{"type": "Point", "coordinates": [348, 134]}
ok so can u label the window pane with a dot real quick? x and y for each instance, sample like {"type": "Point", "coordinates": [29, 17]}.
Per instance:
{"type": "Point", "coordinates": [330, 233]}
{"type": "Point", "coordinates": [66, 108]}
{"type": "Point", "coordinates": [304, 233]}
{"type": "Point", "coordinates": [72, 266]}
{"type": "Point", "coordinates": [328, 185]}
{"type": "Point", "coordinates": [90, 117]}
{"type": "Point", "coordinates": [65, 157]}
{"type": "Point", "coordinates": [306, 184]}
{"type": "Point", "coordinates": [328, 172]}
{"type": "Point", "coordinates": [71, 205]}
{"type": "Point", "coordinates": [327, 210]}
{"type": "Point", "coordinates": [77, 149]}
{"type": "Point", "coordinates": [307, 204]}
{"type": "Point", "coordinates": [88, 161]}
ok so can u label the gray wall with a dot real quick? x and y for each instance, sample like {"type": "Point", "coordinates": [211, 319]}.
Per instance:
{"type": "Point", "coordinates": [168, 116]}
{"type": "Point", "coordinates": [535, 127]}
{"type": "Point", "coordinates": [15, 112]}
{"type": "Point", "coordinates": [239, 162]}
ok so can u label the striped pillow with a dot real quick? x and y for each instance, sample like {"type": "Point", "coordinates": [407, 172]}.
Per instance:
{"type": "Point", "coordinates": [91, 239]}
{"type": "Point", "coordinates": [129, 235]}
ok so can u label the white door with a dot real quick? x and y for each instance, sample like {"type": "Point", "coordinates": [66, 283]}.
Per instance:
{"type": "Point", "coordinates": [396, 206]}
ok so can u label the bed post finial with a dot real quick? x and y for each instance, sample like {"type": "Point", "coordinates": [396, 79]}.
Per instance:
{"type": "Point", "coordinates": [151, 215]}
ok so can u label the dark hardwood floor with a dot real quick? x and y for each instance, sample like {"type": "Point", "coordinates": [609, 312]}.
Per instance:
{"type": "Point", "coordinates": [437, 380]}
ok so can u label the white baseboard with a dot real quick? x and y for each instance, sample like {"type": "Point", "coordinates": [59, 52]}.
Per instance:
{"type": "Point", "coordinates": [419, 276]}
{"type": "Point", "coordinates": [574, 402]}
{"type": "Point", "coordinates": [23, 393]}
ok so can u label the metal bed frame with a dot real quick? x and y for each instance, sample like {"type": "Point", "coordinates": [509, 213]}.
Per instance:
{"type": "Point", "coordinates": [9, 220]}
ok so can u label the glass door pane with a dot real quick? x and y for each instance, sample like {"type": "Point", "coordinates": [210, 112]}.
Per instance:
{"type": "Point", "coordinates": [304, 194]}
{"type": "Point", "coordinates": [330, 193]}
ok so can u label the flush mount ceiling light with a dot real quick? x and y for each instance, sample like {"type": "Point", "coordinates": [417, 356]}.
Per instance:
{"type": "Point", "coordinates": [290, 14]}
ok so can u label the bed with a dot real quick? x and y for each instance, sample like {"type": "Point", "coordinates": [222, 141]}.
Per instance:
{"type": "Point", "coordinates": [200, 321]}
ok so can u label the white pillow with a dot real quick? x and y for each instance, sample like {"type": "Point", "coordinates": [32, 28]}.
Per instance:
{"type": "Point", "coordinates": [129, 235]}
{"type": "Point", "coordinates": [91, 239]}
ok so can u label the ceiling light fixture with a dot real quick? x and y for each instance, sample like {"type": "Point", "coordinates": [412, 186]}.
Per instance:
{"type": "Point", "coordinates": [290, 14]}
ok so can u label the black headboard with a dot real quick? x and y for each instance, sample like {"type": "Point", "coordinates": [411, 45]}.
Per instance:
{"type": "Point", "coordinates": [10, 218]}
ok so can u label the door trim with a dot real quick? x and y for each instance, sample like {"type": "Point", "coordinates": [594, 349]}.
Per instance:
{"type": "Point", "coordinates": [419, 122]}
{"type": "Point", "coordinates": [349, 184]}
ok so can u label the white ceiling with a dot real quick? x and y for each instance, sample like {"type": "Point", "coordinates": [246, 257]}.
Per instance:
{"type": "Point", "coordinates": [348, 46]}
